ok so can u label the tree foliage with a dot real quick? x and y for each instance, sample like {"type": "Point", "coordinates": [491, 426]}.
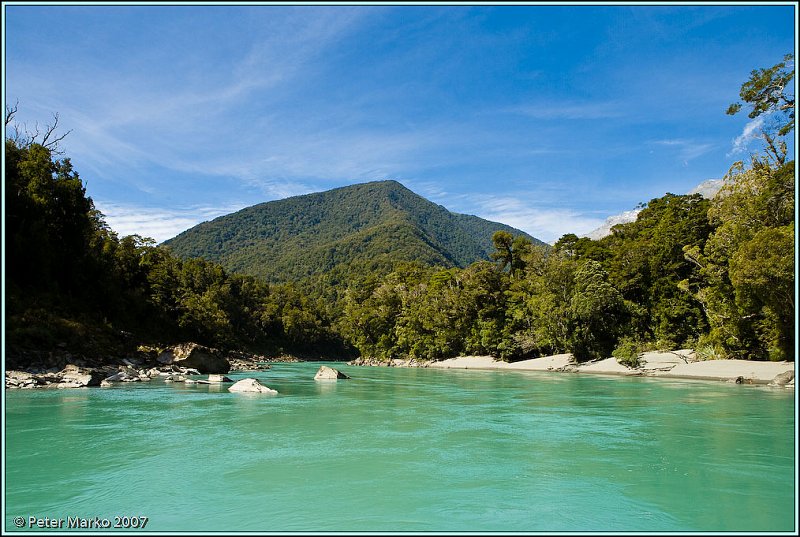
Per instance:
{"type": "Point", "coordinates": [376, 269]}
{"type": "Point", "coordinates": [747, 281]}
{"type": "Point", "coordinates": [766, 92]}
{"type": "Point", "coordinates": [62, 257]}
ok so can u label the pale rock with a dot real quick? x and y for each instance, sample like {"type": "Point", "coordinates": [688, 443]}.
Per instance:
{"type": "Point", "coordinates": [251, 386]}
{"type": "Point", "coordinates": [329, 373]}
{"type": "Point", "coordinates": [218, 378]}
{"type": "Point", "coordinates": [783, 379]}
{"type": "Point", "coordinates": [78, 376]}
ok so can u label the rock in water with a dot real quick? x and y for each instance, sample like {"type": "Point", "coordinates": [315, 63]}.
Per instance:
{"type": "Point", "coordinates": [204, 359]}
{"type": "Point", "coordinates": [218, 378]}
{"type": "Point", "coordinates": [329, 373]}
{"type": "Point", "coordinates": [783, 378]}
{"type": "Point", "coordinates": [75, 377]}
{"type": "Point", "coordinates": [251, 385]}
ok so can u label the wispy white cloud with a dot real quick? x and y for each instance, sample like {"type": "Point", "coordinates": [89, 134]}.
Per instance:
{"type": "Point", "coordinates": [750, 132]}
{"type": "Point", "coordinates": [127, 124]}
{"type": "Point", "coordinates": [687, 150]}
{"type": "Point", "coordinates": [158, 223]}
{"type": "Point", "coordinates": [544, 223]}
{"type": "Point", "coordinates": [569, 110]}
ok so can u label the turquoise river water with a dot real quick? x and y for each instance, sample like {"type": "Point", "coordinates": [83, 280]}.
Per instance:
{"type": "Point", "coordinates": [405, 450]}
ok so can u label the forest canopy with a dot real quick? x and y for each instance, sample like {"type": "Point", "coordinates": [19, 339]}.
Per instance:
{"type": "Point", "coordinates": [715, 275]}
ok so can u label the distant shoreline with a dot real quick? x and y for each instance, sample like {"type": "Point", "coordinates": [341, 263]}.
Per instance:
{"type": "Point", "coordinates": [680, 364]}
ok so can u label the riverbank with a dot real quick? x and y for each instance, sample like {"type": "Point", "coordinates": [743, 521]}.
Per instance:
{"type": "Point", "coordinates": [191, 358]}
{"type": "Point", "coordinates": [170, 363]}
{"type": "Point", "coordinates": [681, 364]}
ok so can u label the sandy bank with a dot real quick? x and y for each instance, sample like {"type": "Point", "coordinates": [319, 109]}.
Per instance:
{"type": "Point", "coordinates": [674, 364]}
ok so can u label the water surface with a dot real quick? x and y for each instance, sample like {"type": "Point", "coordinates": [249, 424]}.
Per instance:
{"type": "Point", "coordinates": [408, 450]}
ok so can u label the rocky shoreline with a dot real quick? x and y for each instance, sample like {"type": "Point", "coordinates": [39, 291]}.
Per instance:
{"type": "Point", "coordinates": [177, 362]}
{"type": "Point", "coordinates": [171, 363]}
{"type": "Point", "coordinates": [680, 364]}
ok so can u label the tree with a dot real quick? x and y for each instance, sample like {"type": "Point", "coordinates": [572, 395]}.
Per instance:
{"type": "Point", "coordinates": [510, 251]}
{"type": "Point", "coordinates": [647, 264]}
{"type": "Point", "coordinates": [766, 93]}
{"type": "Point", "coordinates": [747, 265]}
{"type": "Point", "coordinates": [538, 320]}
{"type": "Point", "coordinates": [22, 137]}
{"type": "Point", "coordinates": [597, 313]}
{"type": "Point", "coordinates": [762, 275]}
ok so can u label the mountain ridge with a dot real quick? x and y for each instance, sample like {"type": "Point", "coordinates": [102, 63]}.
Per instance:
{"type": "Point", "coordinates": [374, 224]}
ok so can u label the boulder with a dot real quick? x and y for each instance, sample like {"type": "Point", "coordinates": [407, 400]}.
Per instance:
{"type": "Point", "coordinates": [70, 384]}
{"type": "Point", "coordinates": [125, 374]}
{"type": "Point", "coordinates": [329, 373]}
{"type": "Point", "coordinates": [218, 378]}
{"type": "Point", "coordinates": [783, 378]}
{"type": "Point", "coordinates": [203, 359]}
{"type": "Point", "coordinates": [19, 379]}
{"type": "Point", "coordinates": [252, 386]}
{"type": "Point", "coordinates": [77, 377]}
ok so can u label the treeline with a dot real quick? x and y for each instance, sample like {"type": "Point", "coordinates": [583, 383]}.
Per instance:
{"type": "Point", "coordinates": [69, 277]}
{"type": "Point", "coordinates": [715, 275]}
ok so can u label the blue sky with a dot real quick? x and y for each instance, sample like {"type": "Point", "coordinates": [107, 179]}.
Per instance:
{"type": "Point", "coordinates": [547, 118]}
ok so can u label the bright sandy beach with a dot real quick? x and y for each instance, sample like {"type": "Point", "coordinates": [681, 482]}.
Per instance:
{"type": "Point", "coordinates": [674, 364]}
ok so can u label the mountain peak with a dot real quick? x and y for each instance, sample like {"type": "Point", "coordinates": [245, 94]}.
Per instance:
{"type": "Point", "coordinates": [375, 224]}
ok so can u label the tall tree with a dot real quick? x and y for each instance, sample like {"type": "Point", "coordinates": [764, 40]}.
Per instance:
{"type": "Point", "coordinates": [766, 92]}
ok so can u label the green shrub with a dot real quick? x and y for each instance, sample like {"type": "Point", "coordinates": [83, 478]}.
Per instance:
{"type": "Point", "coordinates": [628, 352]}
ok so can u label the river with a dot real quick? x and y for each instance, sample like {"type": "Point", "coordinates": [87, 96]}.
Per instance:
{"type": "Point", "coordinates": [406, 450]}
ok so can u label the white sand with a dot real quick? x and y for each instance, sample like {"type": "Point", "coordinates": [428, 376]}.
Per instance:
{"type": "Point", "coordinates": [755, 372]}
{"type": "Point", "coordinates": [677, 364]}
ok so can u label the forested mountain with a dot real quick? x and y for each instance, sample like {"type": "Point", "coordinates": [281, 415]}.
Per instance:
{"type": "Point", "coordinates": [364, 227]}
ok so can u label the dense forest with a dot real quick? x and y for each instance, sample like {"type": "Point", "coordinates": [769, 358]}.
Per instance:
{"type": "Point", "coordinates": [715, 275]}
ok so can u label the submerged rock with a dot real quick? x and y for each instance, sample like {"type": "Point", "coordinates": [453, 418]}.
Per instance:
{"type": "Point", "coordinates": [329, 373]}
{"type": "Point", "coordinates": [252, 386]}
